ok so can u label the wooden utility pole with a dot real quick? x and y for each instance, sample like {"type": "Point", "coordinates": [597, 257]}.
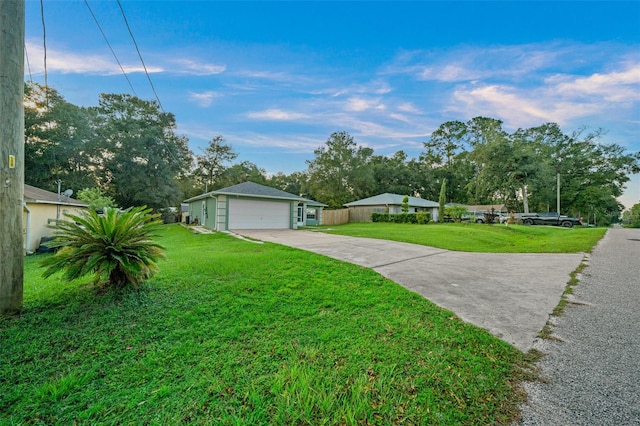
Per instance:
{"type": "Point", "coordinates": [11, 154]}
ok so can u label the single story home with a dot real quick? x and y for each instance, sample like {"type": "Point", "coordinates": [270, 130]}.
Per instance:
{"type": "Point", "coordinates": [361, 210]}
{"type": "Point", "coordinates": [250, 205]}
{"type": "Point", "coordinates": [42, 208]}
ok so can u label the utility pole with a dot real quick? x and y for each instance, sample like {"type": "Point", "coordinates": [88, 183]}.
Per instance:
{"type": "Point", "coordinates": [558, 193]}
{"type": "Point", "coordinates": [11, 154]}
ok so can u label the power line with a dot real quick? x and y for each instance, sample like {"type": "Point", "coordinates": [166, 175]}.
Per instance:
{"type": "Point", "coordinates": [111, 48]}
{"type": "Point", "coordinates": [147, 74]}
{"type": "Point", "coordinates": [26, 55]}
{"type": "Point", "coordinates": [44, 45]}
{"type": "Point", "coordinates": [140, 56]}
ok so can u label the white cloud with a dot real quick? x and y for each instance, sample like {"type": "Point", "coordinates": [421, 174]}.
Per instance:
{"type": "Point", "coordinates": [616, 86]}
{"type": "Point", "coordinates": [203, 99]}
{"type": "Point", "coordinates": [76, 63]}
{"type": "Point", "coordinates": [191, 67]}
{"type": "Point", "coordinates": [560, 98]}
{"type": "Point", "coordinates": [277, 115]}
{"type": "Point", "coordinates": [359, 104]}
{"type": "Point", "coordinates": [409, 108]}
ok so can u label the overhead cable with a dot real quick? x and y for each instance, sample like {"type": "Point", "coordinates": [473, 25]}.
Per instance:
{"type": "Point", "coordinates": [111, 48]}
{"type": "Point", "coordinates": [44, 45]}
{"type": "Point", "coordinates": [140, 56]}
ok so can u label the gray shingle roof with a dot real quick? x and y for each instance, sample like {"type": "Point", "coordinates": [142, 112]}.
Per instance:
{"type": "Point", "coordinates": [388, 199]}
{"type": "Point", "coordinates": [41, 196]}
{"type": "Point", "coordinates": [252, 189]}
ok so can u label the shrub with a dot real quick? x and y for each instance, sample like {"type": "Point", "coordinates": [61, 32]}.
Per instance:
{"type": "Point", "coordinates": [116, 247]}
{"type": "Point", "coordinates": [455, 212]}
{"type": "Point", "coordinates": [423, 218]}
{"type": "Point", "coordinates": [380, 217]}
{"type": "Point", "coordinates": [397, 217]}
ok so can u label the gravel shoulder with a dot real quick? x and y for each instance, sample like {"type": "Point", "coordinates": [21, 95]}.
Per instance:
{"type": "Point", "coordinates": [592, 371]}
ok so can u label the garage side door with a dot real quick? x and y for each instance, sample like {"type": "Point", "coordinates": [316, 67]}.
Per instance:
{"type": "Point", "coordinates": [253, 214]}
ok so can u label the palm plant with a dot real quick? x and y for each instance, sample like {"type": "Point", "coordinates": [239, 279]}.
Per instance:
{"type": "Point", "coordinates": [117, 247]}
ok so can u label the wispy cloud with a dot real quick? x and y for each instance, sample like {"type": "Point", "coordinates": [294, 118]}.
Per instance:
{"type": "Point", "coordinates": [360, 104]}
{"type": "Point", "coordinates": [615, 86]}
{"type": "Point", "coordinates": [471, 63]}
{"type": "Point", "coordinates": [203, 99]}
{"type": "Point", "coordinates": [191, 67]}
{"type": "Point", "coordinates": [560, 98]}
{"type": "Point", "coordinates": [277, 115]}
{"type": "Point", "coordinates": [67, 62]}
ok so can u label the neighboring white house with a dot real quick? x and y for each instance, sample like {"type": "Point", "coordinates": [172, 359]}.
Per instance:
{"type": "Point", "coordinates": [42, 208]}
{"type": "Point", "coordinates": [253, 206]}
{"type": "Point", "coordinates": [361, 210]}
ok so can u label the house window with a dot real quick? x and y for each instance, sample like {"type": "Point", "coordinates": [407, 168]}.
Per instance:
{"type": "Point", "coordinates": [311, 214]}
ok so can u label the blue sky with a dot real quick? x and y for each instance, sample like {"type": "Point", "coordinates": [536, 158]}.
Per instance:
{"type": "Point", "coordinates": [277, 78]}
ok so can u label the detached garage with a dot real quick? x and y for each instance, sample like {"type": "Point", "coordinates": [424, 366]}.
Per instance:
{"type": "Point", "coordinates": [252, 206]}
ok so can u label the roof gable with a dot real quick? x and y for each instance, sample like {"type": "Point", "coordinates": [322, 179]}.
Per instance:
{"type": "Point", "coordinates": [388, 199]}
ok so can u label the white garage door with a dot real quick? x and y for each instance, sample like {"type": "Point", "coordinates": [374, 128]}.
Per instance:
{"type": "Point", "coordinates": [252, 214]}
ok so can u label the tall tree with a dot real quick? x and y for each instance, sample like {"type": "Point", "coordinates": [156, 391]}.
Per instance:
{"type": "Point", "coordinates": [138, 154]}
{"type": "Point", "coordinates": [341, 171]}
{"type": "Point", "coordinates": [241, 172]}
{"type": "Point", "coordinates": [482, 134]}
{"type": "Point", "coordinates": [442, 200]}
{"type": "Point", "coordinates": [391, 174]}
{"type": "Point", "coordinates": [211, 163]}
{"type": "Point", "coordinates": [294, 183]}
{"type": "Point", "coordinates": [446, 157]}
{"type": "Point", "coordinates": [57, 137]}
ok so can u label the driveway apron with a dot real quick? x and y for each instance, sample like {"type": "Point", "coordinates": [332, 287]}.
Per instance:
{"type": "Point", "coordinates": [510, 295]}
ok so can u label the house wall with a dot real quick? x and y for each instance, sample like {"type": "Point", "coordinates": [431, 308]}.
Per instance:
{"type": "Point", "coordinates": [41, 216]}
{"type": "Point", "coordinates": [313, 216]}
{"type": "Point", "coordinates": [222, 213]}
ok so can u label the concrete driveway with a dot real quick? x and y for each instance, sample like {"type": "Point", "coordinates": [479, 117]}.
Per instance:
{"type": "Point", "coordinates": [510, 295]}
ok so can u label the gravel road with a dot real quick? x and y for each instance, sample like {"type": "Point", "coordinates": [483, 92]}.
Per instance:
{"type": "Point", "coordinates": [593, 375]}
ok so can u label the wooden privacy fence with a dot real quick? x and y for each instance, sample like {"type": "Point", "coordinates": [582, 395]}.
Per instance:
{"type": "Point", "coordinates": [335, 217]}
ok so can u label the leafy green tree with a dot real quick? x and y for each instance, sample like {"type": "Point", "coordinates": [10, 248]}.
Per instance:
{"type": "Point", "coordinates": [341, 171]}
{"type": "Point", "coordinates": [294, 183]}
{"type": "Point", "coordinates": [392, 174]}
{"type": "Point", "coordinates": [446, 156]}
{"type": "Point", "coordinates": [592, 173]}
{"type": "Point", "coordinates": [631, 217]}
{"type": "Point", "coordinates": [139, 158]}
{"type": "Point", "coordinates": [482, 134]}
{"type": "Point", "coordinates": [57, 135]}
{"type": "Point", "coordinates": [405, 204]}
{"type": "Point", "coordinates": [96, 199]}
{"type": "Point", "coordinates": [211, 163]}
{"type": "Point", "coordinates": [455, 212]}
{"type": "Point", "coordinates": [442, 200]}
{"type": "Point", "coordinates": [117, 248]}
{"type": "Point", "coordinates": [241, 172]}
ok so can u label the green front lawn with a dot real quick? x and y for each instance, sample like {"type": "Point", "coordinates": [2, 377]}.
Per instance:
{"type": "Point", "coordinates": [477, 237]}
{"type": "Point", "coordinates": [233, 332]}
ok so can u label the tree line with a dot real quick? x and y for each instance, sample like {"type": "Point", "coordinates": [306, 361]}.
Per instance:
{"type": "Point", "coordinates": [127, 149]}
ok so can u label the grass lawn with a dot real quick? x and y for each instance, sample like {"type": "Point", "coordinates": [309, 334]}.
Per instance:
{"type": "Point", "coordinates": [477, 237]}
{"type": "Point", "coordinates": [236, 333]}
